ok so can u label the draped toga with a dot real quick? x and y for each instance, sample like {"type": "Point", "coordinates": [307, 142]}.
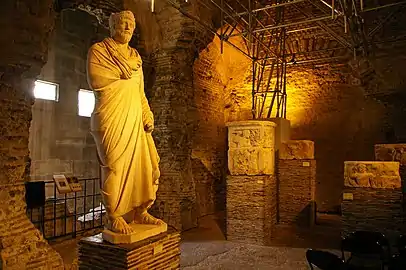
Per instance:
{"type": "Point", "coordinates": [127, 153]}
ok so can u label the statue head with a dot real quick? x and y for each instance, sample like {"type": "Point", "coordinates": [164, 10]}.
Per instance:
{"type": "Point", "coordinates": [122, 25]}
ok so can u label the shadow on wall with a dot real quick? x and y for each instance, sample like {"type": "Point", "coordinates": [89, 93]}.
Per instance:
{"type": "Point", "coordinates": [342, 122]}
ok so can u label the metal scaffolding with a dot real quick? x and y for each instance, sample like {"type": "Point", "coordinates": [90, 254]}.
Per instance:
{"type": "Point", "coordinates": [265, 27]}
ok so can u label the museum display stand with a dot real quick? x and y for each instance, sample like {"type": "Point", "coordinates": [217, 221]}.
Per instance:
{"type": "Point", "coordinates": [158, 252]}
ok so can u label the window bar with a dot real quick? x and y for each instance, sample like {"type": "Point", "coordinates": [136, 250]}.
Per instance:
{"type": "Point", "coordinates": [84, 207]}
{"type": "Point", "coordinates": [55, 200]}
{"type": "Point", "coordinates": [75, 216]}
{"type": "Point", "coordinates": [65, 206]}
{"type": "Point", "coordinates": [94, 192]}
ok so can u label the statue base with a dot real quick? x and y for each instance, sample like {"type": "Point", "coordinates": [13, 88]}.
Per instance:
{"type": "Point", "coordinates": [158, 252]}
{"type": "Point", "coordinates": [141, 232]}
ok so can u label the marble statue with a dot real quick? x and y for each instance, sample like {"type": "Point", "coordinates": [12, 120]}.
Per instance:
{"type": "Point", "coordinates": [121, 125]}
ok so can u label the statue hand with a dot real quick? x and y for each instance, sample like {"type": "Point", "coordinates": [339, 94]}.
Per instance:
{"type": "Point", "coordinates": [149, 127]}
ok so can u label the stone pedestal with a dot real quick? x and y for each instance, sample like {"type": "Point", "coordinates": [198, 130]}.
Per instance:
{"type": "Point", "coordinates": [140, 232]}
{"type": "Point", "coordinates": [282, 131]}
{"type": "Point", "coordinates": [158, 252]}
{"type": "Point", "coordinates": [251, 185]}
{"type": "Point", "coordinates": [251, 147]}
{"type": "Point", "coordinates": [251, 208]}
{"type": "Point", "coordinates": [296, 183]}
{"type": "Point", "coordinates": [372, 197]}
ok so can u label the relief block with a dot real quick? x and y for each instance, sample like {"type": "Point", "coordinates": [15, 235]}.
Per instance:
{"type": "Point", "coordinates": [251, 147]}
{"type": "Point", "coordinates": [372, 174]}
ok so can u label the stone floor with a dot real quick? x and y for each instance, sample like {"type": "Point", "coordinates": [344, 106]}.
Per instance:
{"type": "Point", "coordinates": [206, 247]}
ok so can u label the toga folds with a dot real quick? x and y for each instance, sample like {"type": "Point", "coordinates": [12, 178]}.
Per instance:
{"type": "Point", "coordinates": [127, 153]}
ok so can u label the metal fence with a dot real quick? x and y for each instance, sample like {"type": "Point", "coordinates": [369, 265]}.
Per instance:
{"type": "Point", "coordinates": [71, 213]}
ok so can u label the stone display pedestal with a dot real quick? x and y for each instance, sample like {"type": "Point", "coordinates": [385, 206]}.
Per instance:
{"type": "Point", "coordinates": [158, 252]}
{"type": "Point", "coordinates": [251, 208]}
{"type": "Point", "coordinates": [372, 197]}
{"type": "Point", "coordinates": [296, 183]}
{"type": "Point", "coordinates": [251, 185]}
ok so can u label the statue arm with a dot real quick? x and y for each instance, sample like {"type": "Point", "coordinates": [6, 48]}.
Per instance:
{"type": "Point", "coordinates": [147, 115]}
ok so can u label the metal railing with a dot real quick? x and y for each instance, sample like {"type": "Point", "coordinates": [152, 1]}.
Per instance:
{"type": "Point", "coordinates": [71, 213]}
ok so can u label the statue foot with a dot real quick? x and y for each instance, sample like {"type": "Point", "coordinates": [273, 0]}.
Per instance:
{"type": "Point", "coordinates": [146, 218]}
{"type": "Point", "coordinates": [118, 225]}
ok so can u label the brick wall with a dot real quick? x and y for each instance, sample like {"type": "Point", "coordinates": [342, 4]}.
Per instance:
{"type": "Point", "coordinates": [373, 210]}
{"type": "Point", "coordinates": [23, 47]}
{"type": "Point", "coordinates": [296, 191]}
{"type": "Point", "coordinates": [251, 208]}
{"type": "Point", "coordinates": [326, 106]}
{"type": "Point", "coordinates": [60, 139]}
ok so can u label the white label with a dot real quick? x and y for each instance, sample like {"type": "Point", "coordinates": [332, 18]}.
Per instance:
{"type": "Point", "coordinates": [260, 182]}
{"type": "Point", "coordinates": [348, 196]}
{"type": "Point", "coordinates": [158, 249]}
{"type": "Point", "coordinates": [306, 164]}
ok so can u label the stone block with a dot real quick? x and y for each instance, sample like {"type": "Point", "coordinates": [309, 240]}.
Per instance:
{"type": "Point", "coordinates": [391, 152]}
{"type": "Point", "coordinates": [372, 174]}
{"type": "Point", "coordinates": [297, 149]}
{"type": "Point", "coordinates": [140, 232]}
{"type": "Point", "coordinates": [282, 131]}
{"type": "Point", "coordinates": [22, 245]}
{"type": "Point", "coordinates": [51, 166]}
{"type": "Point", "coordinates": [251, 147]}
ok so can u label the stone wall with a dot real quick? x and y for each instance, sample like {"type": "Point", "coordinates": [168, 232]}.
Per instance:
{"type": "Point", "coordinates": [251, 208]}
{"type": "Point", "coordinates": [344, 124]}
{"type": "Point", "coordinates": [60, 139]}
{"type": "Point", "coordinates": [372, 197]}
{"type": "Point", "coordinates": [326, 105]}
{"type": "Point", "coordinates": [24, 43]}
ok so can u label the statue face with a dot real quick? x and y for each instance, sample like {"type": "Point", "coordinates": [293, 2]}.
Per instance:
{"type": "Point", "coordinates": [123, 30]}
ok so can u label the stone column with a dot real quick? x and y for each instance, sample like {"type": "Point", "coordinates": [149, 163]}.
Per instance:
{"type": "Point", "coordinates": [251, 183]}
{"type": "Point", "coordinates": [372, 197]}
{"type": "Point", "coordinates": [296, 168]}
{"type": "Point", "coordinates": [28, 24]}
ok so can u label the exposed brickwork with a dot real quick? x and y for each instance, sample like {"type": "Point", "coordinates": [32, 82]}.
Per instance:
{"type": "Point", "coordinates": [22, 245]}
{"type": "Point", "coordinates": [373, 210]}
{"type": "Point", "coordinates": [170, 102]}
{"type": "Point", "coordinates": [23, 48]}
{"type": "Point", "coordinates": [158, 252]}
{"type": "Point", "coordinates": [251, 208]}
{"type": "Point", "coordinates": [208, 147]}
{"type": "Point", "coordinates": [23, 51]}
{"type": "Point", "coordinates": [327, 106]}
{"type": "Point", "coordinates": [296, 191]}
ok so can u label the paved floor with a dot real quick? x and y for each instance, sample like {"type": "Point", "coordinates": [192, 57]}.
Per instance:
{"type": "Point", "coordinates": [206, 248]}
{"type": "Point", "coordinates": [228, 255]}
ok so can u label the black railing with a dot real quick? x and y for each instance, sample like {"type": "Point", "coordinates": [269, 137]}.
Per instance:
{"type": "Point", "coordinates": [71, 213]}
